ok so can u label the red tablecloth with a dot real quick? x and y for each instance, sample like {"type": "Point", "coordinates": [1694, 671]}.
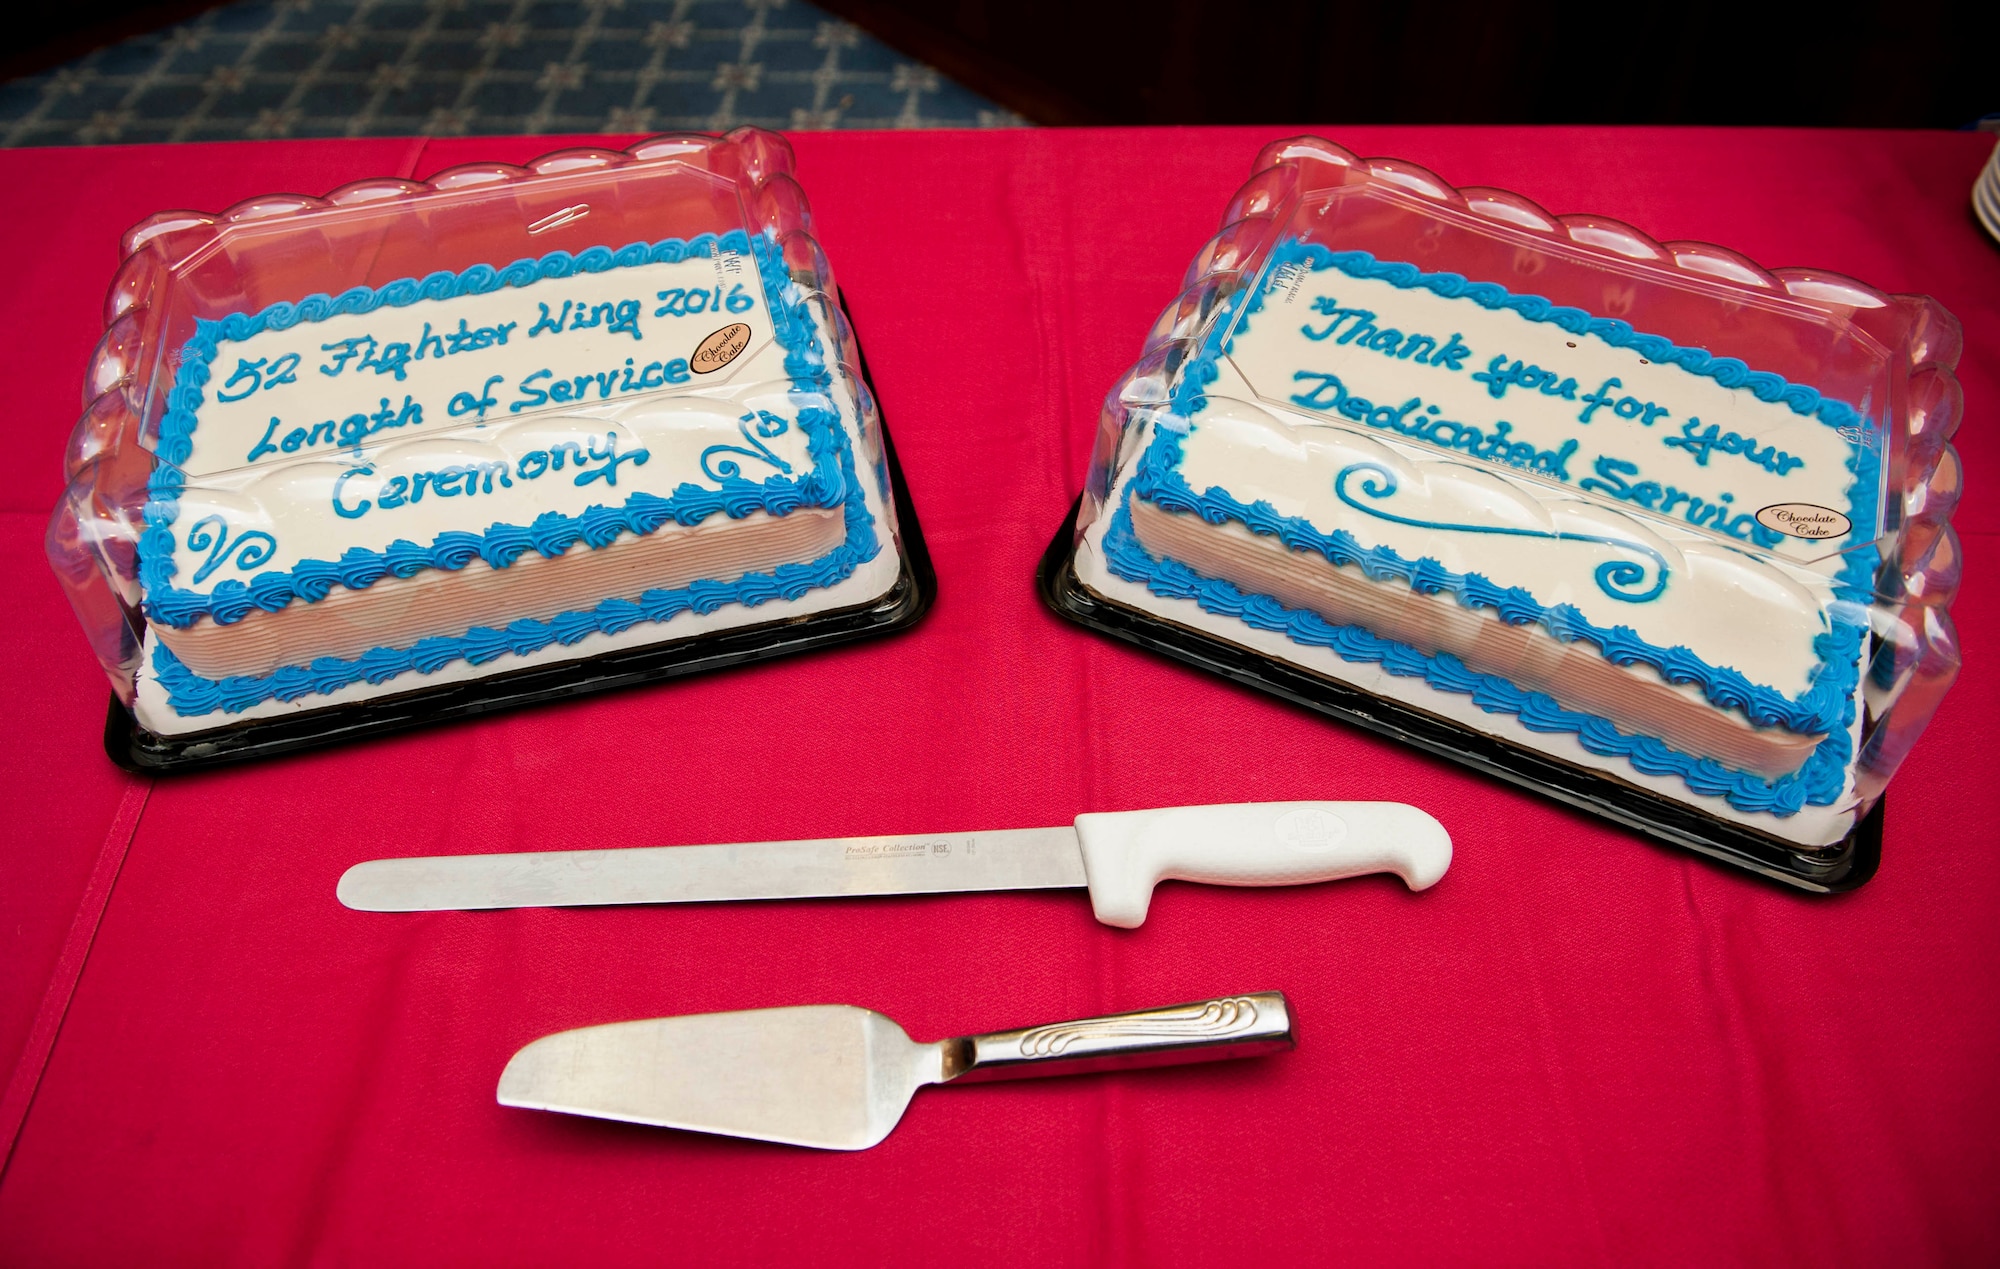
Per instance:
{"type": "Point", "coordinates": [1579, 1047]}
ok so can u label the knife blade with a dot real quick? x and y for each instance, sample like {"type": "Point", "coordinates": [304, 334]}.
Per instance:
{"type": "Point", "coordinates": [1118, 856]}
{"type": "Point", "coordinates": [838, 1077]}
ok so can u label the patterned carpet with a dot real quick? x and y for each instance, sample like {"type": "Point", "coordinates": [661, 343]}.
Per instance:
{"type": "Point", "coordinates": [356, 68]}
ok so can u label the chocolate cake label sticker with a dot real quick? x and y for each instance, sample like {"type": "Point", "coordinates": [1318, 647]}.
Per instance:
{"type": "Point", "coordinates": [720, 348]}
{"type": "Point", "coordinates": [1805, 520]}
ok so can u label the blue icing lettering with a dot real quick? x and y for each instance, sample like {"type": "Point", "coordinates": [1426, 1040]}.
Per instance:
{"type": "Point", "coordinates": [1331, 395]}
{"type": "Point", "coordinates": [1624, 407]}
{"type": "Point", "coordinates": [366, 352]}
{"type": "Point", "coordinates": [464, 403]}
{"type": "Point", "coordinates": [263, 373]}
{"type": "Point", "coordinates": [531, 396]}
{"type": "Point", "coordinates": [682, 302]}
{"type": "Point", "coordinates": [348, 433]}
{"type": "Point", "coordinates": [1714, 440]}
{"type": "Point", "coordinates": [1717, 514]}
{"type": "Point", "coordinates": [540, 388]}
{"type": "Point", "coordinates": [1499, 376]}
{"type": "Point", "coordinates": [610, 457]}
{"type": "Point", "coordinates": [1801, 399]}
{"type": "Point", "coordinates": [339, 482]}
{"type": "Point", "coordinates": [1363, 332]}
{"type": "Point", "coordinates": [620, 318]}
{"type": "Point", "coordinates": [832, 481]}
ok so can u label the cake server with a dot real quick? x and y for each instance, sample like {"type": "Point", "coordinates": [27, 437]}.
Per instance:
{"type": "Point", "coordinates": [1117, 855]}
{"type": "Point", "coordinates": [838, 1077]}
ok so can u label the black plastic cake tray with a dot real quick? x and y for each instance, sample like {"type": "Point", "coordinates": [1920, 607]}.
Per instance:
{"type": "Point", "coordinates": [1833, 869]}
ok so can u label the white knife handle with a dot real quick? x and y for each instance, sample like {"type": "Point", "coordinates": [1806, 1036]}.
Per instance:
{"type": "Point", "coordinates": [1127, 853]}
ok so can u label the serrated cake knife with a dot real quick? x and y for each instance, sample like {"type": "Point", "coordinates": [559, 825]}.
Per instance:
{"type": "Point", "coordinates": [1118, 856]}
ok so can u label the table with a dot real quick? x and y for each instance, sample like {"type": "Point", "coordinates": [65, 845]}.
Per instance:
{"type": "Point", "coordinates": [1579, 1047]}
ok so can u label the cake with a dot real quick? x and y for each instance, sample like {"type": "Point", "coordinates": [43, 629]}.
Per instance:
{"type": "Point", "coordinates": [1544, 523]}
{"type": "Point", "coordinates": [484, 467]}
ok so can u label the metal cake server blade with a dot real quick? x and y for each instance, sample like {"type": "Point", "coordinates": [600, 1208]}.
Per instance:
{"type": "Point", "coordinates": [837, 1077]}
{"type": "Point", "coordinates": [1118, 856]}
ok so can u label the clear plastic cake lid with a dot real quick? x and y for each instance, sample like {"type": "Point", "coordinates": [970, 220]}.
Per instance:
{"type": "Point", "coordinates": [1647, 508]}
{"type": "Point", "coordinates": [411, 434]}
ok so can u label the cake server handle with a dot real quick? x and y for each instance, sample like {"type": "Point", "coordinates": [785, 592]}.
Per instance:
{"type": "Point", "coordinates": [1205, 1031]}
{"type": "Point", "coordinates": [1127, 853]}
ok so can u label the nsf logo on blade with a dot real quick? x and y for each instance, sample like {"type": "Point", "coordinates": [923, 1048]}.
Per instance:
{"type": "Point", "coordinates": [1311, 831]}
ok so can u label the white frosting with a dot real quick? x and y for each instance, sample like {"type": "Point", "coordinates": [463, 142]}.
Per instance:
{"type": "Point", "coordinates": [1537, 488]}
{"type": "Point", "coordinates": [1812, 826]}
{"type": "Point", "coordinates": [746, 406]}
{"type": "Point", "coordinates": [240, 469]}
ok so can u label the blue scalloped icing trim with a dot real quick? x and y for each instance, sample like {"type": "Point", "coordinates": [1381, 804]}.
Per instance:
{"type": "Point", "coordinates": [1829, 704]}
{"type": "Point", "coordinates": [831, 482]}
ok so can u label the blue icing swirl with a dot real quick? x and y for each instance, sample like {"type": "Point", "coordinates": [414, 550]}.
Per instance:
{"type": "Point", "coordinates": [1828, 705]}
{"type": "Point", "coordinates": [831, 482]}
{"type": "Point", "coordinates": [1620, 579]}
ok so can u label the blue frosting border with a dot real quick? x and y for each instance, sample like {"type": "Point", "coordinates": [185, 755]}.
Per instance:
{"type": "Point", "coordinates": [1828, 704]}
{"type": "Point", "coordinates": [831, 482]}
